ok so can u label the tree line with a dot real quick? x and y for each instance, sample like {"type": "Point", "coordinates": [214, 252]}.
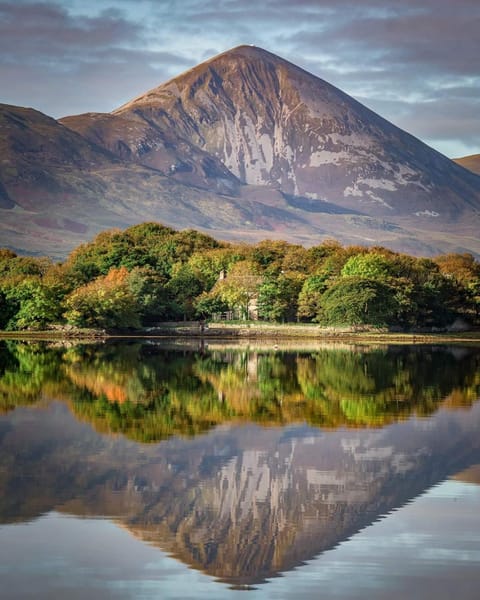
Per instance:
{"type": "Point", "coordinates": [151, 273]}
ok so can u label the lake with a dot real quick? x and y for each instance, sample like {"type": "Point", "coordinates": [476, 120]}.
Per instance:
{"type": "Point", "coordinates": [139, 469]}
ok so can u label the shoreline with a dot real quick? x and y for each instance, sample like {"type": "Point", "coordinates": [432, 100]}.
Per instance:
{"type": "Point", "coordinates": [256, 332]}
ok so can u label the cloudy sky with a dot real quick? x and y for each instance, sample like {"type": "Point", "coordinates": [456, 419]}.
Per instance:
{"type": "Point", "coordinates": [416, 62]}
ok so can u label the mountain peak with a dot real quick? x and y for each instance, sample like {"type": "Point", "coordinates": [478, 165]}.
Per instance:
{"type": "Point", "coordinates": [228, 62]}
{"type": "Point", "coordinates": [245, 51]}
{"type": "Point", "coordinates": [273, 124]}
{"type": "Point", "coordinates": [247, 142]}
{"type": "Point", "coordinates": [248, 54]}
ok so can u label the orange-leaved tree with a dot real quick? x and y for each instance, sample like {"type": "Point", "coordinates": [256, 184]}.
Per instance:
{"type": "Point", "coordinates": [105, 302]}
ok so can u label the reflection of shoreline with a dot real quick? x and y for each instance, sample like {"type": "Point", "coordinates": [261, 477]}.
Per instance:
{"type": "Point", "coordinates": [353, 343]}
{"type": "Point", "coordinates": [256, 345]}
{"type": "Point", "coordinates": [259, 333]}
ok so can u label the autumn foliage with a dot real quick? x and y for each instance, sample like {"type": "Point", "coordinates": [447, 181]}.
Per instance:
{"type": "Point", "coordinates": [151, 273]}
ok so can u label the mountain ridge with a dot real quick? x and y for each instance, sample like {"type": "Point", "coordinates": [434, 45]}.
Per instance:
{"type": "Point", "coordinates": [250, 134]}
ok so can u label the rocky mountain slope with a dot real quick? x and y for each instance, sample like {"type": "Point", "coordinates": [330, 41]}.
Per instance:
{"type": "Point", "coordinates": [274, 124]}
{"type": "Point", "coordinates": [245, 145]}
{"type": "Point", "coordinates": [57, 189]}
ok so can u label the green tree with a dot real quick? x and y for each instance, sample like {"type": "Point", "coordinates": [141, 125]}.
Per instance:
{"type": "Point", "coordinates": [358, 301]}
{"type": "Point", "coordinates": [12, 265]}
{"type": "Point", "coordinates": [269, 254]}
{"type": "Point", "coordinates": [278, 297]}
{"type": "Point", "coordinates": [27, 303]}
{"type": "Point", "coordinates": [208, 264]}
{"type": "Point", "coordinates": [207, 304]}
{"type": "Point", "coordinates": [145, 245]}
{"type": "Point", "coordinates": [369, 266]}
{"type": "Point", "coordinates": [151, 296]}
{"type": "Point", "coordinates": [182, 289]}
{"type": "Point", "coordinates": [425, 296]}
{"type": "Point", "coordinates": [309, 299]}
{"type": "Point", "coordinates": [464, 270]}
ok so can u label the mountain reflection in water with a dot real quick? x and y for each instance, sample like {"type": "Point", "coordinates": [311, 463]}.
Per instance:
{"type": "Point", "coordinates": [298, 451]}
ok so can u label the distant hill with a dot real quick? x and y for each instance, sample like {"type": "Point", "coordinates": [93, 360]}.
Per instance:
{"type": "Point", "coordinates": [470, 162]}
{"type": "Point", "coordinates": [246, 145]}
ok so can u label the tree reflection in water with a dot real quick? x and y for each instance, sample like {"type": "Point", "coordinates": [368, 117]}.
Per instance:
{"type": "Point", "coordinates": [303, 449]}
{"type": "Point", "coordinates": [149, 394]}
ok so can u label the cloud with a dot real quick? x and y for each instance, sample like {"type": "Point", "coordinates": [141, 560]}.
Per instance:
{"type": "Point", "coordinates": [62, 63]}
{"type": "Point", "coordinates": [35, 32]}
{"type": "Point", "coordinates": [441, 37]}
{"type": "Point", "coordinates": [415, 62]}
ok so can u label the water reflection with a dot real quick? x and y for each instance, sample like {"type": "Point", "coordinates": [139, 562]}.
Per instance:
{"type": "Point", "coordinates": [149, 394]}
{"type": "Point", "coordinates": [344, 443]}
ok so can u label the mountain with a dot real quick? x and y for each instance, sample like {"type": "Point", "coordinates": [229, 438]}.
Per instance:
{"type": "Point", "coordinates": [470, 162]}
{"type": "Point", "coordinates": [274, 124]}
{"type": "Point", "coordinates": [246, 145]}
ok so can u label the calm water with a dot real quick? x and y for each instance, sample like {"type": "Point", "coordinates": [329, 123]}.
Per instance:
{"type": "Point", "coordinates": [128, 470]}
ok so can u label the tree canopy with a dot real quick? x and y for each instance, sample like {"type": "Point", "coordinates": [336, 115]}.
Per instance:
{"type": "Point", "coordinates": [150, 273]}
